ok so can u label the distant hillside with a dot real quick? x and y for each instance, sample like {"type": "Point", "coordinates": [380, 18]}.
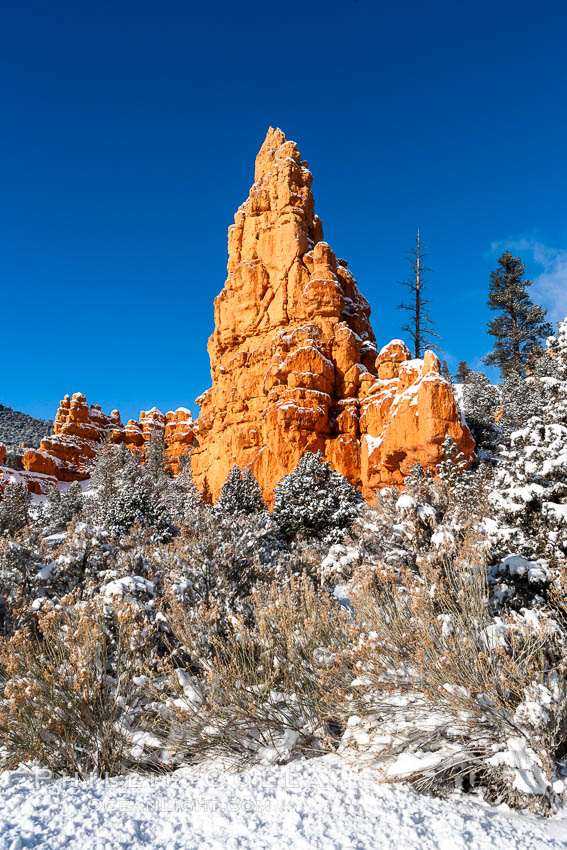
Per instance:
{"type": "Point", "coordinates": [17, 428]}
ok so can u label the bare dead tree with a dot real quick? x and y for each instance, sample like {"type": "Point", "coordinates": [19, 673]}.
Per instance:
{"type": "Point", "coordinates": [420, 326]}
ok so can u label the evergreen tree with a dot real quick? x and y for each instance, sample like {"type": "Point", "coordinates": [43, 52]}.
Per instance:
{"type": "Point", "coordinates": [420, 325]}
{"type": "Point", "coordinates": [206, 495]}
{"type": "Point", "coordinates": [60, 508]}
{"type": "Point", "coordinates": [113, 469]}
{"type": "Point", "coordinates": [182, 498]}
{"type": "Point", "coordinates": [480, 403]}
{"type": "Point", "coordinates": [139, 504]}
{"type": "Point", "coordinates": [454, 463]}
{"type": "Point", "coordinates": [521, 399]}
{"type": "Point", "coordinates": [521, 325]}
{"type": "Point", "coordinates": [14, 507]}
{"type": "Point", "coordinates": [462, 372]}
{"type": "Point", "coordinates": [240, 494]}
{"type": "Point", "coordinates": [445, 371]}
{"type": "Point", "coordinates": [530, 495]}
{"type": "Point", "coordinates": [218, 562]}
{"type": "Point", "coordinates": [155, 458]}
{"type": "Point", "coordinates": [315, 499]}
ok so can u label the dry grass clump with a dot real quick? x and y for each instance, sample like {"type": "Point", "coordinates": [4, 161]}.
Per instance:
{"type": "Point", "coordinates": [68, 697]}
{"type": "Point", "coordinates": [257, 692]}
{"type": "Point", "coordinates": [447, 696]}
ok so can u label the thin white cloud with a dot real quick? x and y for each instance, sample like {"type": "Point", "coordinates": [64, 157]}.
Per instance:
{"type": "Point", "coordinates": [550, 284]}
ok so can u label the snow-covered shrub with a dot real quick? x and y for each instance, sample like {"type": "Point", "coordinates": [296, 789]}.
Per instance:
{"type": "Point", "coordinates": [418, 528]}
{"type": "Point", "coordinates": [215, 564]}
{"type": "Point", "coordinates": [257, 695]}
{"type": "Point", "coordinates": [14, 507]}
{"type": "Point", "coordinates": [316, 500]}
{"type": "Point", "coordinates": [517, 583]}
{"type": "Point", "coordinates": [68, 694]}
{"type": "Point", "coordinates": [446, 696]}
{"type": "Point", "coordinates": [240, 494]}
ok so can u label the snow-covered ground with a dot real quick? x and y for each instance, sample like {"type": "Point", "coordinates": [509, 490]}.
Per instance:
{"type": "Point", "coordinates": [319, 803]}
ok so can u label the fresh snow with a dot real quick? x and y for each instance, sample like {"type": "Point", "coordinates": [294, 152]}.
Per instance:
{"type": "Point", "coordinates": [315, 804]}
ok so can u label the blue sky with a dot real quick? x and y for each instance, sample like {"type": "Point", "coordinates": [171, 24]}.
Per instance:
{"type": "Point", "coordinates": [129, 132]}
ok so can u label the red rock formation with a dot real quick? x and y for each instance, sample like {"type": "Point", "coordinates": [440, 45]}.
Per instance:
{"type": "Point", "coordinates": [293, 356]}
{"type": "Point", "coordinates": [405, 416]}
{"type": "Point", "coordinates": [79, 430]}
{"type": "Point", "coordinates": [294, 364]}
{"type": "Point", "coordinates": [35, 482]}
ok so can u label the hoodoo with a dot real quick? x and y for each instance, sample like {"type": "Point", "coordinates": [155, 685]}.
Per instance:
{"type": "Point", "coordinates": [294, 362]}
{"type": "Point", "coordinates": [294, 366]}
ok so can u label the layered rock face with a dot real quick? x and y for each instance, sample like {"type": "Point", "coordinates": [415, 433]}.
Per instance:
{"type": "Point", "coordinates": [294, 362]}
{"type": "Point", "coordinates": [79, 430]}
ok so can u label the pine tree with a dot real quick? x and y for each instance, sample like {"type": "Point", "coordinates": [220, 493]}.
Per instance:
{"type": "Point", "coordinates": [240, 494]}
{"type": "Point", "coordinates": [182, 497]}
{"type": "Point", "coordinates": [139, 504]}
{"type": "Point", "coordinates": [454, 463]}
{"type": "Point", "coordinates": [315, 499]}
{"type": "Point", "coordinates": [14, 507]}
{"type": "Point", "coordinates": [462, 372]}
{"type": "Point", "coordinates": [113, 469]}
{"type": "Point", "coordinates": [155, 458]}
{"type": "Point", "coordinates": [480, 402]}
{"type": "Point", "coordinates": [521, 325]}
{"type": "Point", "coordinates": [521, 399]}
{"type": "Point", "coordinates": [530, 495]}
{"type": "Point", "coordinates": [60, 508]}
{"type": "Point", "coordinates": [445, 371]}
{"type": "Point", "coordinates": [419, 327]}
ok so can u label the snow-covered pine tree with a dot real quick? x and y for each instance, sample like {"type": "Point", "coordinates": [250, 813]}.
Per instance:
{"type": "Point", "coordinates": [155, 459]}
{"type": "Point", "coordinates": [14, 507]}
{"type": "Point", "coordinates": [453, 466]}
{"type": "Point", "coordinates": [530, 493]}
{"type": "Point", "coordinates": [315, 499]}
{"type": "Point", "coordinates": [140, 504]}
{"type": "Point", "coordinates": [520, 328]}
{"type": "Point", "coordinates": [113, 469]}
{"type": "Point", "coordinates": [60, 508]}
{"type": "Point", "coordinates": [240, 494]}
{"type": "Point", "coordinates": [480, 402]}
{"type": "Point", "coordinates": [182, 497]}
{"type": "Point", "coordinates": [521, 398]}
